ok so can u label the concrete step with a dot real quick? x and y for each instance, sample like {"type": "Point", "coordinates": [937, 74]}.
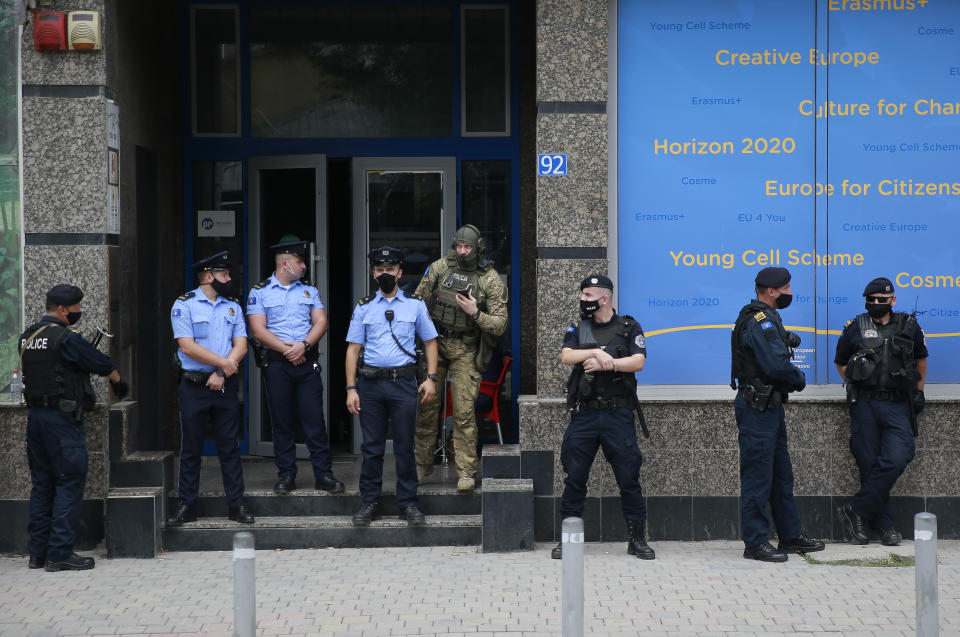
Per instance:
{"type": "Point", "coordinates": [301, 532]}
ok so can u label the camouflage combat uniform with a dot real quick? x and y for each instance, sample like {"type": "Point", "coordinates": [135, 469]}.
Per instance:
{"type": "Point", "coordinates": [459, 344]}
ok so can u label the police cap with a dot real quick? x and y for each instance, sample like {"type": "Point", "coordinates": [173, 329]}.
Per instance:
{"type": "Point", "coordinates": [385, 255]}
{"type": "Point", "coordinates": [219, 261]}
{"type": "Point", "coordinates": [65, 294]}
{"type": "Point", "coordinates": [772, 277]}
{"type": "Point", "coordinates": [291, 245]}
{"type": "Point", "coordinates": [880, 285]}
{"type": "Point", "coordinates": [596, 281]}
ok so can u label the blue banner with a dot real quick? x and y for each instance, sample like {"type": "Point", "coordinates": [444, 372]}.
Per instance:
{"type": "Point", "coordinates": [823, 137]}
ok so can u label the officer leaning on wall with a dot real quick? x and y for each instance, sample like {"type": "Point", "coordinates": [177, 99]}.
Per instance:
{"type": "Point", "coordinates": [882, 357]}
{"type": "Point", "coordinates": [57, 363]}
{"type": "Point", "coordinates": [212, 338]}
{"type": "Point", "coordinates": [763, 375]}
{"type": "Point", "coordinates": [605, 351]}
{"type": "Point", "coordinates": [468, 304]}
{"type": "Point", "coordinates": [288, 320]}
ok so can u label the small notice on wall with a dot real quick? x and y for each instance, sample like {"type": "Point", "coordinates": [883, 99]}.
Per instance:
{"type": "Point", "coordinates": [216, 223]}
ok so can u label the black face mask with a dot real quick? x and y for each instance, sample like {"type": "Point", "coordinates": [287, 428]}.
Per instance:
{"type": "Point", "coordinates": [784, 301]}
{"type": "Point", "coordinates": [386, 282]}
{"type": "Point", "coordinates": [877, 310]}
{"type": "Point", "coordinates": [221, 288]}
{"type": "Point", "coordinates": [73, 317]}
{"type": "Point", "coordinates": [587, 308]}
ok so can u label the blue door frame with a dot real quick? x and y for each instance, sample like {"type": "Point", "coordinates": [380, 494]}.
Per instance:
{"type": "Point", "coordinates": [243, 147]}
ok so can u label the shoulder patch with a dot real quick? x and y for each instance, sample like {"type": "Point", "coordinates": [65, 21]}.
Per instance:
{"type": "Point", "coordinates": [365, 299]}
{"type": "Point", "coordinates": [759, 316]}
{"type": "Point", "coordinates": [767, 325]}
{"type": "Point", "coordinates": [261, 285]}
{"type": "Point", "coordinates": [188, 295]}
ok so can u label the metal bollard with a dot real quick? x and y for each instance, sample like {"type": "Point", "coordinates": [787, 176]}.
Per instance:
{"type": "Point", "coordinates": [572, 589]}
{"type": "Point", "coordinates": [925, 567]}
{"type": "Point", "coordinates": [244, 586]}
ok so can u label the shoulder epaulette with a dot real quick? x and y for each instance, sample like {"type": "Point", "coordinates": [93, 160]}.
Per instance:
{"type": "Point", "coordinates": [307, 282]}
{"type": "Point", "coordinates": [759, 316]}
{"type": "Point", "coordinates": [234, 299]}
{"type": "Point", "coordinates": [366, 299]}
{"type": "Point", "coordinates": [418, 297]}
{"type": "Point", "coordinates": [261, 285]}
{"type": "Point", "coordinates": [847, 324]}
{"type": "Point", "coordinates": [188, 295]}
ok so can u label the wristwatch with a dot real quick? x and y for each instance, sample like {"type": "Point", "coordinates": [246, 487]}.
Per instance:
{"type": "Point", "coordinates": [475, 315]}
{"type": "Point", "coordinates": [433, 377]}
{"type": "Point", "coordinates": [306, 345]}
{"type": "Point", "coordinates": [220, 372]}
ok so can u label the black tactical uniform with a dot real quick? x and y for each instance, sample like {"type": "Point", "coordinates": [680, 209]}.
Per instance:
{"type": "Point", "coordinates": [881, 377]}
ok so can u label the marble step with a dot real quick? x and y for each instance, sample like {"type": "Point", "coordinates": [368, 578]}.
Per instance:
{"type": "Point", "coordinates": [304, 532]}
{"type": "Point", "coordinates": [308, 502]}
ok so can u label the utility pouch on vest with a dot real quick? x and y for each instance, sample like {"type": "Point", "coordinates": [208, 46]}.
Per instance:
{"type": "Point", "coordinates": [862, 367]}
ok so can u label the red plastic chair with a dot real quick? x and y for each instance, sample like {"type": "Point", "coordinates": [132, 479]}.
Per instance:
{"type": "Point", "coordinates": [491, 389]}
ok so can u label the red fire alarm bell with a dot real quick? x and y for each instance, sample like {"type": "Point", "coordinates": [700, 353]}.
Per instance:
{"type": "Point", "coordinates": [50, 30]}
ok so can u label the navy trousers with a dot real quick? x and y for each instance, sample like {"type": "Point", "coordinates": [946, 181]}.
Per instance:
{"type": "Point", "coordinates": [615, 432]}
{"type": "Point", "coordinates": [383, 400]}
{"type": "Point", "coordinates": [882, 443]}
{"type": "Point", "coordinates": [197, 404]}
{"type": "Point", "coordinates": [57, 455]}
{"type": "Point", "coordinates": [766, 474]}
{"type": "Point", "coordinates": [301, 385]}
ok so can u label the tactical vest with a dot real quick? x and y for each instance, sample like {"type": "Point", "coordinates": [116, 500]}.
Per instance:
{"type": "Point", "coordinates": [744, 368]}
{"type": "Point", "coordinates": [444, 310]}
{"type": "Point", "coordinates": [884, 363]}
{"type": "Point", "coordinates": [45, 375]}
{"type": "Point", "coordinates": [614, 339]}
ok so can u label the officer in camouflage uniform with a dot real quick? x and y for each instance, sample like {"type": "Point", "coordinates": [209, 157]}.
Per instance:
{"type": "Point", "coordinates": [468, 304]}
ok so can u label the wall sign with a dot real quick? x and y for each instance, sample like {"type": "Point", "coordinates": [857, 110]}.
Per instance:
{"type": "Point", "coordinates": [552, 165]}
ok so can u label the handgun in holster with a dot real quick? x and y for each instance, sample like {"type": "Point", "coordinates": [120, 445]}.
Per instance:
{"type": "Point", "coordinates": [259, 352]}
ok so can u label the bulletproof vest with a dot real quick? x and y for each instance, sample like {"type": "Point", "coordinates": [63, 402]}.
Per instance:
{"type": "Point", "coordinates": [744, 368]}
{"type": "Point", "coordinates": [44, 373]}
{"type": "Point", "coordinates": [884, 359]}
{"type": "Point", "coordinates": [614, 339]}
{"type": "Point", "coordinates": [445, 310]}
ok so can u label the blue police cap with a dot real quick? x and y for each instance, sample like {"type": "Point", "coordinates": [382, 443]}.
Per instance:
{"type": "Point", "coordinates": [385, 256]}
{"type": "Point", "coordinates": [219, 261]}
{"type": "Point", "coordinates": [772, 277]}
{"type": "Point", "coordinates": [596, 281]}
{"type": "Point", "coordinates": [65, 294]}
{"type": "Point", "coordinates": [297, 248]}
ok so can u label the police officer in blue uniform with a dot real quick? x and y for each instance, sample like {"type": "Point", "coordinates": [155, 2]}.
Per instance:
{"type": "Point", "coordinates": [384, 387]}
{"type": "Point", "coordinates": [882, 357]}
{"type": "Point", "coordinates": [762, 373]}
{"type": "Point", "coordinates": [288, 319]}
{"type": "Point", "coordinates": [57, 363]}
{"type": "Point", "coordinates": [605, 350]}
{"type": "Point", "coordinates": [212, 338]}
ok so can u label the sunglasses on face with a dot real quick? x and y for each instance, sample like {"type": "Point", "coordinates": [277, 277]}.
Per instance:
{"type": "Point", "coordinates": [879, 299]}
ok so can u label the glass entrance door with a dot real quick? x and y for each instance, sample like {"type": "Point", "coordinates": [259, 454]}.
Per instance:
{"type": "Point", "coordinates": [409, 203]}
{"type": "Point", "coordinates": [287, 196]}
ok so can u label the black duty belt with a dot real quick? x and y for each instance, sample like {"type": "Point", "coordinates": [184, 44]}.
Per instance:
{"type": "Point", "coordinates": [199, 378]}
{"type": "Point", "coordinates": [408, 371]}
{"type": "Point", "coordinates": [608, 403]}
{"type": "Point", "coordinates": [51, 402]}
{"type": "Point", "coordinates": [273, 355]}
{"type": "Point", "coordinates": [889, 395]}
{"type": "Point", "coordinates": [444, 332]}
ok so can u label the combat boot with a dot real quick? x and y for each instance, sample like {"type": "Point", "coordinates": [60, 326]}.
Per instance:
{"type": "Point", "coordinates": [637, 540]}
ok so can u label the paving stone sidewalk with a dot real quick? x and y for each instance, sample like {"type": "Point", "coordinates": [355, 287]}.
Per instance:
{"type": "Point", "coordinates": [692, 588]}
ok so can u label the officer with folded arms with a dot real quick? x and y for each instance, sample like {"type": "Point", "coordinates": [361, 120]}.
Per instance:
{"type": "Point", "coordinates": [384, 387]}
{"type": "Point", "coordinates": [57, 363]}
{"type": "Point", "coordinates": [212, 338]}
{"type": "Point", "coordinates": [762, 373]}
{"type": "Point", "coordinates": [287, 317]}
{"type": "Point", "coordinates": [882, 357]}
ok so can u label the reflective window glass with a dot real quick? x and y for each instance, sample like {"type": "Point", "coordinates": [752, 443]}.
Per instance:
{"type": "Point", "coordinates": [485, 75]}
{"type": "Point", "coordinates": [350, 70]}
{"type": "Point", "coordinates": [486, 204]}
{"type": "Point", "coordinates": [11, 228]}
{"type": "Point", "coordinates": [215, 71]}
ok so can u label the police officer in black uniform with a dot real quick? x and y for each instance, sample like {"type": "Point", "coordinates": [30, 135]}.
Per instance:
{"type": "Point", "coordinates": [212, 338]}
{"type": "Point", "coordinates": [384, 387]}
{"type": "Point", "coordinates": [762, 373]}
{"type": "Point", "coordinates": [605, 351]}
{"type": "Point", "coordinates": [57, 363]}
{"type": "Point", "coordinates": [882, 357]}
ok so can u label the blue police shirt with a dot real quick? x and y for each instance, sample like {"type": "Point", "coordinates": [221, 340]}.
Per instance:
{"type": "Point", "coordinates": [773, 357]}
{"type": "Point", "coordinates": [287, 308]}
{"type": "Point", "coordinates": [369, 327]}
{"type": "Point", "coordinates": [212, 325]}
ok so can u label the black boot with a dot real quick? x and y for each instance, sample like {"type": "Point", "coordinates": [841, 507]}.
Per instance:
{"type": "Point", "coordinates": [637, 540]}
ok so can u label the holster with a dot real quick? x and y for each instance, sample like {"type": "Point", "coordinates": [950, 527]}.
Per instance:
{"type": "Point", "coordinates": [761, 397]}
{"type": "Point", "coordinates": [259, 352]}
